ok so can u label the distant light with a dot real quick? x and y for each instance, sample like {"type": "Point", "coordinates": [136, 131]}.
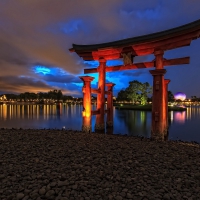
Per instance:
{"type": "Point", "coordinates": [180, 95]}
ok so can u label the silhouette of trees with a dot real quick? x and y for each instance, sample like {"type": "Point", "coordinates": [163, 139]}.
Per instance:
{"type": "Point", "coordinates": [170, 97]}
{"type": "Point", "coordinates": [28, 96]}
{"type": "Point", "coordinates": [55, 95]}
{"type": "Point", "coordinates": [11, 96]}
{"type": "Point", "coordinates": [194, 98]}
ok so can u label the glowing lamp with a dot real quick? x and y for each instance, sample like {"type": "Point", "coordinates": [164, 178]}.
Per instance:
{"type": "Point", "coordinates": [180, 95]}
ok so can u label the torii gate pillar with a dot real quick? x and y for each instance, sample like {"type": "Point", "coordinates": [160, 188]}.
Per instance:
{"type": "Point", "coordinates": [159, 107]}
{"type": "Point", "coordinates": [109, 121]}
{"type": "Point", "coordinates": [100, 124]}
{"type": "Point", "coordinates": [86, 113]}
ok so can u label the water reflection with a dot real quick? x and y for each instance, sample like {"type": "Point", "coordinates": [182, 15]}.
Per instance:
{"type": "Point", "coordinates": [183, 116]}
{"type": "Point", "coordinates": [40, 116]}
{"type": "Point", "coordinates": [182, 125]}
{"type": "Point", "coordinates": [136, 123]}
{"type": "Point", "coordinates": [179, 117]}
{"type": "Point", "coordinates": [29, 111]}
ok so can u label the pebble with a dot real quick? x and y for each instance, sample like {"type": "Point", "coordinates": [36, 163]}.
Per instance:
{"type": "Point", "coordinates": [20, 196]}
{"type": "Point", "coordinates": [62, 183]}
{"type": "Point", "coordinates": [118, 198]}
{"type": "Point", "coordinates": [49, 193]}
{"type": "Point", "coordinates": [129, 196]}
{"type": "Point", "coordinates": [166, 197]}
{"type": "Point", "coordinates": [50, 164]}
{"type": "Point", "coordinates": [42, 191]}
{"type": "Point", "coordinates": [26, 198]}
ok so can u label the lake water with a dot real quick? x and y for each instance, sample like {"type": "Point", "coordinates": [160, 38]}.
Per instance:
{"type": "Point", "coordinates": [182, 125]}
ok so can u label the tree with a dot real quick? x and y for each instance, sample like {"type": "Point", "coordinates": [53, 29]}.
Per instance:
{"type": "Point", "coordinates": [170, 97]}
{"type": "Point", "coordinates": [52, 94]}
{"type": "Point", "coordinates": [67, 98]}
{"type": "Point", "coordinates": [136, 91]}
{"type": "Point", "coordinates": [132, 91]}
{"type": "Point", "coordinates": [145, 90]}
{"type": "Point", "coordinates": [11, 96]}
{"type": "Point", "coordinates": [194, 98]}
{"type": "Point", "coordinates": [59, 95]}
{"type": "Point", "coordinates": [122, 95]}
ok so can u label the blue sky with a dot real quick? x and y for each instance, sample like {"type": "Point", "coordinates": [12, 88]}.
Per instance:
{"type": "Point", "coordinates": [35, 38]}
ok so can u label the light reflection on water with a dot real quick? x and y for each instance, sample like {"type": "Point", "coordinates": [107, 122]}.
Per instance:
{"type": "Point", "coordinates": [182, 116]}
{"type": "Point", "coordinates": [179, 117]}
{"type": "Point", "coordinates": [182, 125]}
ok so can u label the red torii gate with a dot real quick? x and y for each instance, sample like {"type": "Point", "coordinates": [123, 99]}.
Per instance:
{"type": "Point", "coordinates": [127, 49]}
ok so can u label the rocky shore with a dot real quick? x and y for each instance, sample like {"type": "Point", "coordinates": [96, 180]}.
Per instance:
{"type": "Point", "coordinates": [62, 165]}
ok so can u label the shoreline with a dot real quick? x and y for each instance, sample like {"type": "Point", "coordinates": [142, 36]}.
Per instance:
{"type": "Point", "coordinates": [79, 131]}
{"type": "Point", "coordinates": [147, 107]}
{"type": "Point", "coordinates": [60, 164]}
{"type": "Point", "coordinates": [193, 142]}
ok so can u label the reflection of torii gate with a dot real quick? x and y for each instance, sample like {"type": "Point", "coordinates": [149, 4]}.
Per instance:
{"type": "Point", "coordinates": [127, 49]}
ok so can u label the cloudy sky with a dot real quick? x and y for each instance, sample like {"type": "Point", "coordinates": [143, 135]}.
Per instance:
{"type": "Point", "coordinates": [36, 35]}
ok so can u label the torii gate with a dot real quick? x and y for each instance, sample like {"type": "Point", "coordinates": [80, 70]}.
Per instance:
{"type": "Point", "coordinates": [127, 49]}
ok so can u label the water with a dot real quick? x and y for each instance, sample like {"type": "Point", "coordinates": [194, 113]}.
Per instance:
{"type": "Point", "coordinates": [182, 125]}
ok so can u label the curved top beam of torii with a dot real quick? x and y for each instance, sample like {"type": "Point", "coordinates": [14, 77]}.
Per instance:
{"type": "Point", "coordinates": [142, 45]}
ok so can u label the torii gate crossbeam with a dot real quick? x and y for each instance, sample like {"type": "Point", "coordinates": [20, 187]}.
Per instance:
{"type": "Point", "coordinates": [170, 62]}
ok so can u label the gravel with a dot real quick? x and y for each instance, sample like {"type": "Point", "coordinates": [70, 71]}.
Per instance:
{"type": "Point", "coordinates": [71, 165]}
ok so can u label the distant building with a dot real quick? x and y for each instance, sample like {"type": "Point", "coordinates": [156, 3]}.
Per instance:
{"type": "Point", "coordinates": [180, 95]}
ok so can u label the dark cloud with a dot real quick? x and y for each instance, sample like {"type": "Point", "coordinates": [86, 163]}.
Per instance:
{"type": "Point", "coordinates": [62, 78]}
{"type": "Point", "coordinates": [21, 84]}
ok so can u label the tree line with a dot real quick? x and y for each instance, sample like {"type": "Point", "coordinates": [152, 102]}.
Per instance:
{"type": "Point", "coordinates": [52, 94]}
{"type": "Point", "coordinates": [135, 92]}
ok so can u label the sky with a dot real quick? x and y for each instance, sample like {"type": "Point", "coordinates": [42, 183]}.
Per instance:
{"type": "Point", "coordinates": [36, 35]}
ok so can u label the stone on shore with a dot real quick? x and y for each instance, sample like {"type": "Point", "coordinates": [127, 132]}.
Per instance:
{"type": "Point", "coordinates": [53, 164]}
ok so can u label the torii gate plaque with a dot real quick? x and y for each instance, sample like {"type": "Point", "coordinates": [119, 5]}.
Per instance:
{"type": "Point", "coordinates": [127, 49]}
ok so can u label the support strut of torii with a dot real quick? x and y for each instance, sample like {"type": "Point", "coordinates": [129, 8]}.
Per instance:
{"type": "Point", "coordinates": [127, 49]}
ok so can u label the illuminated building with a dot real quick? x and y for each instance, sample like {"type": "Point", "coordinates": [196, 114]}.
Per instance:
{"type": "Point", "coordinates": [180, 95]}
